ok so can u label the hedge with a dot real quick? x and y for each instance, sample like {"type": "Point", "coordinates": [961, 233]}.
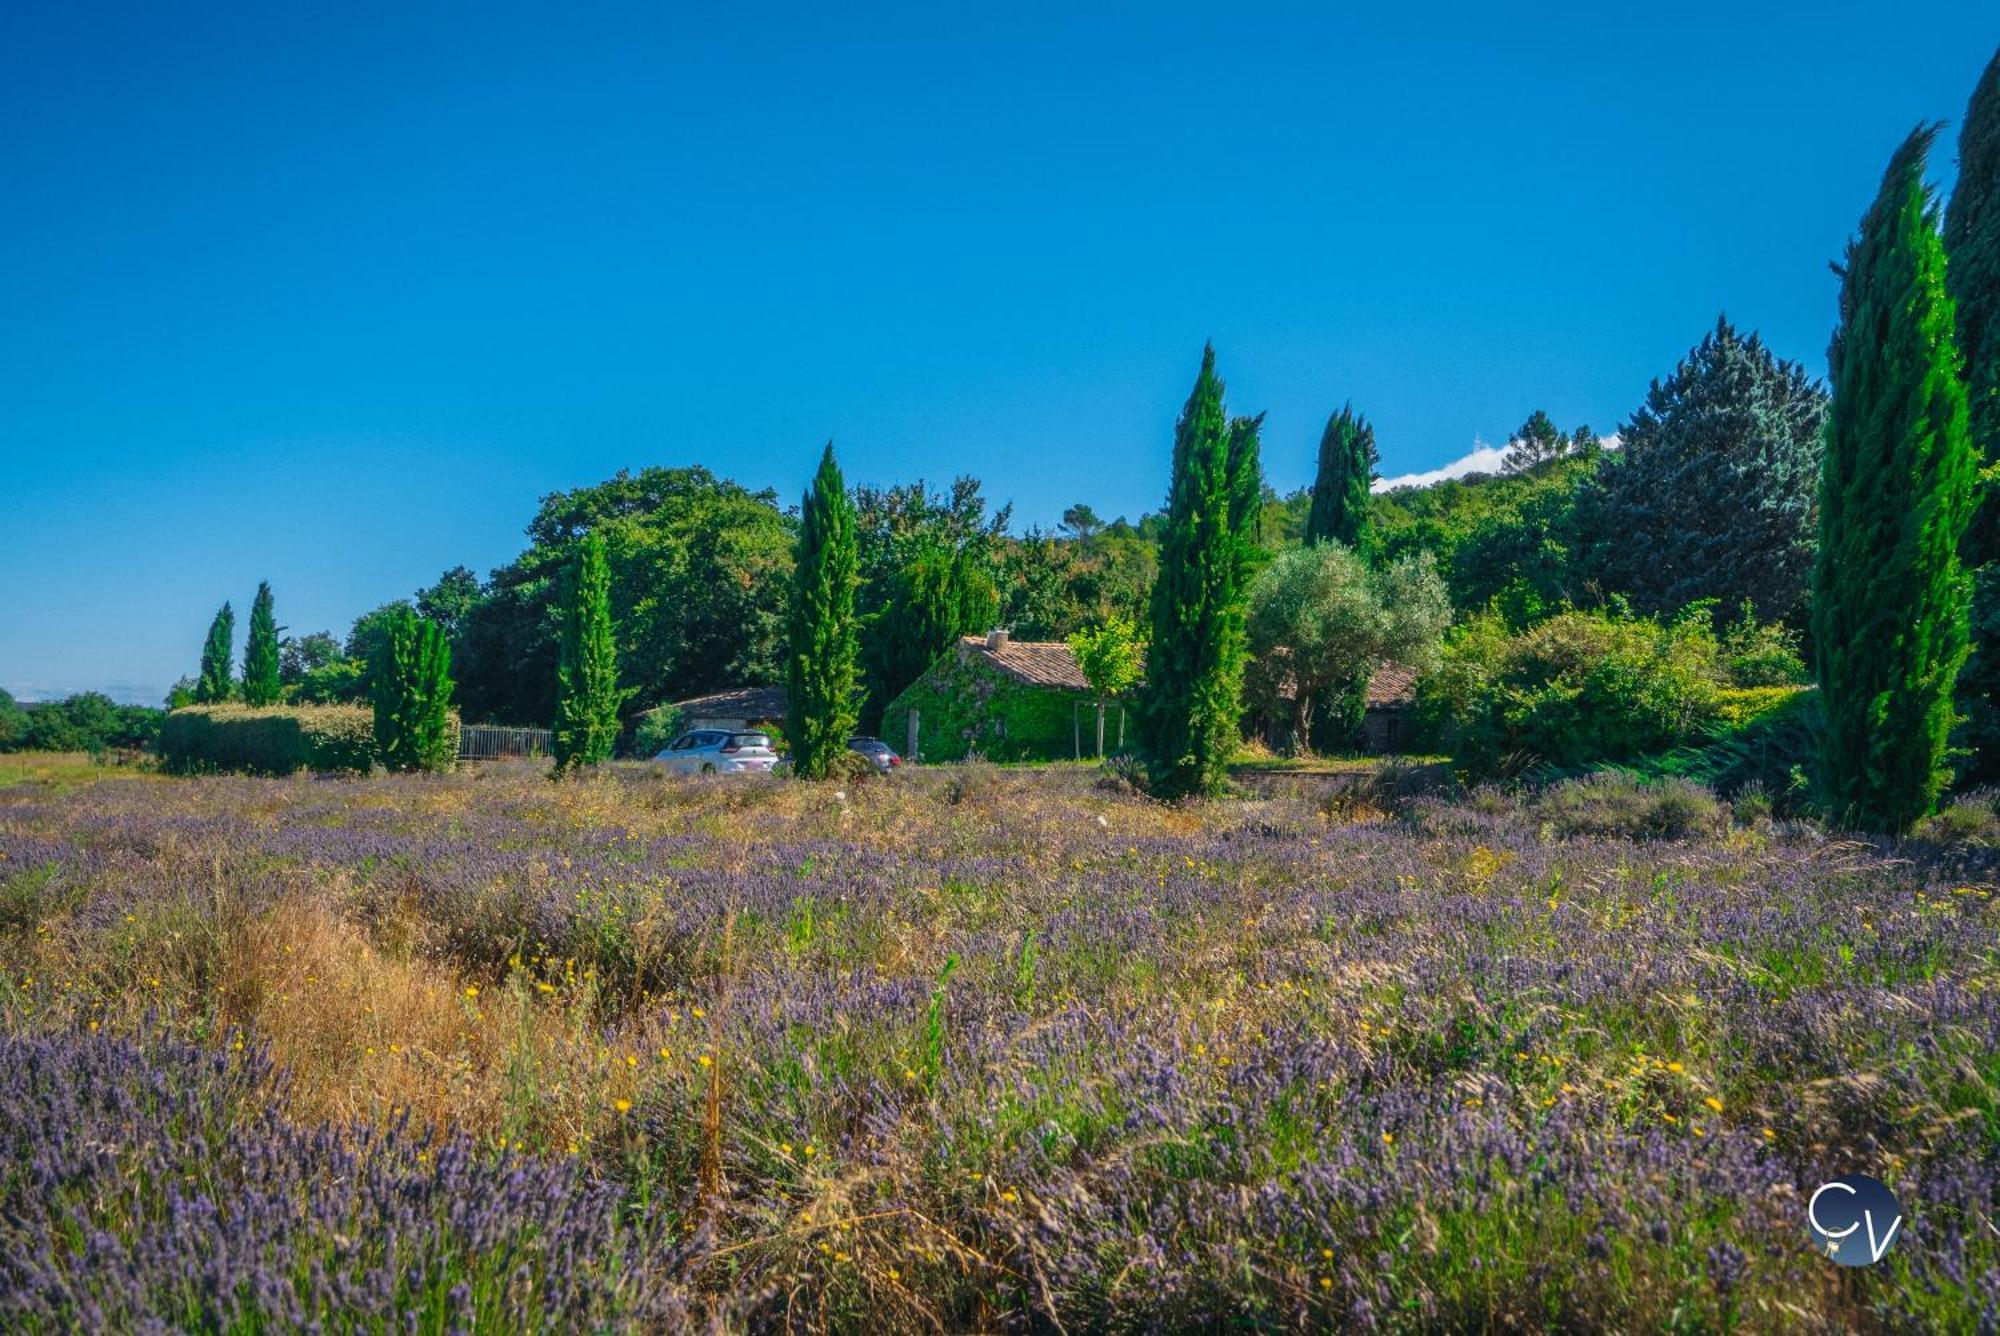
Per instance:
{"type": "Point", "coordinates": [274, 741]}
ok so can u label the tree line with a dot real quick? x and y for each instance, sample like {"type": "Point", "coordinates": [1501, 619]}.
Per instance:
{"type": "Point", "coordinates": [1843, 524]}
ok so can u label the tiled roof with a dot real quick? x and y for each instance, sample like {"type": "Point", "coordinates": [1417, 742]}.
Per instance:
{"type": "Point", "coordinates": [739, 703]}
{"type": "Point", "coordinates": [1042, 663]}
{"type": "Point", "coordinates": [1393, 686]}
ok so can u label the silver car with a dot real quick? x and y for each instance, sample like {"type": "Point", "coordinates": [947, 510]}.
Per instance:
{"type": "Point", "coordinates": [719, 751]}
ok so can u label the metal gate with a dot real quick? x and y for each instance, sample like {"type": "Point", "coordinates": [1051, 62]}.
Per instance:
{"type": "Point", "coordinates": [485, 742]}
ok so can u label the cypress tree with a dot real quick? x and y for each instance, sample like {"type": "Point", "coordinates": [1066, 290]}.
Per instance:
{"type": "Point", "coordinates": [1972, 241]}
{"type": "Point", "coordinates": [215, 681]}
{"type": "Point", "coordinates": [935, 596]}
{"type": "Point", "coordinates": [260, 654]}
{"type": "Point", "coordinates": [587, 694]}
{"type": "Point", "coordinates": [1347, 462]}
{"type": "Point", "coordinates": [1889, 594]}
{"type": "Point", "coordinates": [411, 677]}
{"type": "Point", "coordinates": [1192, 699]}
{"type": "Point", "coordinates": [823, 648]}
{"type": "Point", "coordinates": [1339, 514]}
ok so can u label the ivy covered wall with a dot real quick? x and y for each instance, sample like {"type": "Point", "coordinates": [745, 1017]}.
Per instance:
{"type": "Point", "coordinates": [966, 708]}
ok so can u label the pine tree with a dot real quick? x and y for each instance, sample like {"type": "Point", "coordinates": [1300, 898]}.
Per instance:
{"type": "Point", "coordinates": [1193, 697]}
{"type": "Point", "coordinates": [260, 654]}
{"type": "Point", "coordinates": [587, 692]}
{"type": "Point", "coordinates": [1347, 462]}
{"type": "Point", "coordinates": [1972, 241]}
{"type": "Point", "coordinates": [411, 677]}
{"type": "Point", "coordinates": [216, 679]}
{"type": "Point", "coordinates": [1889, 594]}
{"type": "Point", "coordinates": [1713, 491]}
{"type": "Point", "coordinates": [821, 636]}
{"type": "Point", "coordinates": [1535, 444]}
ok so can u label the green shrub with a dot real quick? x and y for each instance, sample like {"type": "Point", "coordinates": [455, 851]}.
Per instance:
{"type": "Point", "coordinates": [410, 674]}
{"type": "Point", "coordinates": [273, 741]}
{"type": "Point", "coordinates": [656, 728]}
{"type": "Point", "coordinates": [87, 722]}
{"type": "Point", "coordinates": [1772, 750]}
{"type": "Point", "coordinates": [1619, 804]}
{"type": "Point", "coordinates": [1970, 819]}
{"type": "Point", "coordinates": [1741, 707]}
{"type": "Point", "coordinates": [1763, 654]}
{"type": "Point", "coordinates": [1577, 689]}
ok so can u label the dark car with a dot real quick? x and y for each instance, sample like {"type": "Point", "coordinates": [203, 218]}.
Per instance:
{"type": "Point", "coordinates": [878, 752]}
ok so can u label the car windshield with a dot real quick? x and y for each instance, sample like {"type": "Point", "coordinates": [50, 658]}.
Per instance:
{"type": "Point", "coordinates": [749, 739]}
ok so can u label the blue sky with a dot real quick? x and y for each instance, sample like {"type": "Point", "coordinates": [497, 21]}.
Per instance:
{"type": "Point", "coordinates": [330, 298]}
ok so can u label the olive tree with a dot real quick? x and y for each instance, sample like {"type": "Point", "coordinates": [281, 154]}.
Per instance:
{"type": "Point", "coordinates": [1320, 623]}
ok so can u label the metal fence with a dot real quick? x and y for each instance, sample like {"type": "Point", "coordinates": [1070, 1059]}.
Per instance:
{"type": "Point", "coordinates": [485, 742]}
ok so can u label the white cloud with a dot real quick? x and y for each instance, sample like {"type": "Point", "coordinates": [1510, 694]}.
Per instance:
{"type": "Point", "coordinates": [1482, 458]}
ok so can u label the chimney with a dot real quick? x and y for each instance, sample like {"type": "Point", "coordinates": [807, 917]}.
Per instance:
{"type": "Point", "coordinates": [996, 639]}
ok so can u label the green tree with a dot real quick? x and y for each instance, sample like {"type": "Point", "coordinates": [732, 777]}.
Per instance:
{"type": "Point", "coordinates": [216, 679]}
{"type": "Point", "coordinates": [1189, 711]}
{"type": "Point", "coordinates": [450, 601]}
{"type": "Point", "coordinates": [1713, 491]}
{"type": "Point", "coordinates": [936, 596]}
{"type": "Point", "coordinates": [926, 562]}
{"type": "Point", "coordinates": [1347, 462]}
{"type": "Point", "coordinates": [587, 691]}
{"type": "Point", "coordinates": [1112, 658]}
{"type": "Point", "coordinates": [699, 569]}
{"type": "Point", "coordinates": [300, 655]}
{"type": "Point", "coordinates": [821, 630]}
{"type": "Point", "coordinates": [13, 722]}
{"type": "Point", "coordinates": [1081, 523]}
{"type": "Point", "coordinates": [260, 653]}
{"type": "Point", "coordinates": [366, 636]}
{"type": "Point", "coordinates": [411, 686]}
{"type": "Point", "coordinates": [1321, 621]}
{"type": "Point", "coordinates": [1889, 594]}
{"type": "Point", "coordinates": [1972, 241]}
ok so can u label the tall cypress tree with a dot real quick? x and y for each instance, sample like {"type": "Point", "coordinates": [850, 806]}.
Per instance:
{"type": "Point", "coordinates": [1347, 462]}
{"type": "Point", "coordinates": [934, 596]}
{"type": "Point", "coordinates": [1972, 241]}
{"type": "Point", "coordinates": [260, 654]}
{"type": "Point", "coordinates": [587, 693]}
{"type": "Point", "coordinates": [1339, 514]}
{"type": "Point", "coordinates": [823, 647]}
{"type": "Point", "coordinates": [411, 686]}
{"type": "Point", "coordinates": [1193, 694]}
{"type": "Point", "coordinates": [213, 685]}
{"type": "Point", "coordinates": [1889, 593]}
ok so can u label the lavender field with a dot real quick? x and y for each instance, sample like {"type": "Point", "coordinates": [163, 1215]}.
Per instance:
{"type": "Point", "coordinates": [976, 1049]}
